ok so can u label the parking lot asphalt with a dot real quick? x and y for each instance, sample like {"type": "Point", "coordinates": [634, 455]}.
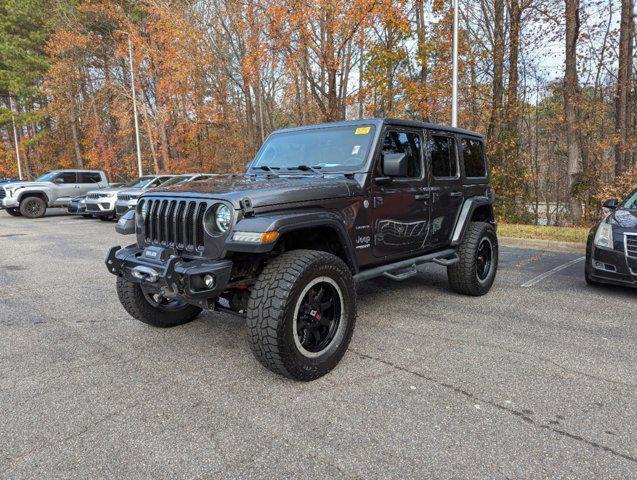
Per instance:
{"type": "Point", "coordinates": [534, 381]}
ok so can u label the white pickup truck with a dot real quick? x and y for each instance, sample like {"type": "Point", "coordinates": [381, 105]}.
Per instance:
{"type": "Point", "coordinates": [53, 189]}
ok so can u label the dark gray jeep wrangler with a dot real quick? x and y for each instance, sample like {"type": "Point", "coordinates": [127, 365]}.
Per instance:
{"type": "Point", "coordinates": [320, 208]}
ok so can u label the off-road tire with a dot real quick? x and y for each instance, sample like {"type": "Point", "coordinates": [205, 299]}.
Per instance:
{"type": "Point", "coordinates": [463, 276]}
{"type": "Point", "coordinates": [271, 309]}
{"type": "Point", "coordinates": [32, 207]}
{"type": "Point", "coordinates": [14, 212]}
{"type": "Point", "coordinates": [134, 302]}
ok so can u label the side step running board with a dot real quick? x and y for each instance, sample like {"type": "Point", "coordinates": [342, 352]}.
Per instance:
{"type": "Point", "coordinates": [407, 268]}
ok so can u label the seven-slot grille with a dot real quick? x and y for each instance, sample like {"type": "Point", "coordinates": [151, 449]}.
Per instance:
{"type": "Point", "coordinates": [631, 245]}
{"type": "Point", "coordinates": [3, 193]}
{"type": "Point", "coordinates": [126, 197]}
{"type": "Point", "coordinates": [93, 195]}
{"type": "Point", "coordinates": [175, 223]}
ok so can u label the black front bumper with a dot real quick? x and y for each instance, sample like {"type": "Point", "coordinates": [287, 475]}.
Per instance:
{"type": "Point", "coordinates": [611, 266]}
{"type": "Point", "coordinates": [160, 270]}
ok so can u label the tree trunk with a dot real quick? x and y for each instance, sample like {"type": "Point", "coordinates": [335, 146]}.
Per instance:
{"type": "Point", "coordinates": [512, 87]}
{"type": "Point", "coordinates": [79, 162]}
{"type": "Point", "coordinates": [571, 97]}
{"type": "Point", "coordinates": [498, 71]}
{"type": "Point", "coordinates": [622, 119]}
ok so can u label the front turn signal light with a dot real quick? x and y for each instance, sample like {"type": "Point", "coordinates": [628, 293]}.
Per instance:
{"type": "Point", "coordinates": [255, 237]}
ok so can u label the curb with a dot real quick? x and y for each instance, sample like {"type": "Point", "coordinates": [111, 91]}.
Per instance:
{"type": "Point", "coordinates": [537, 244]}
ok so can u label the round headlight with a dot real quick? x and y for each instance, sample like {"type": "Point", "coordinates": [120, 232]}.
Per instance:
{"type": "Point", "coordinates": [143, 210]}
{"type": "Point", "coordinates": [218, 219]}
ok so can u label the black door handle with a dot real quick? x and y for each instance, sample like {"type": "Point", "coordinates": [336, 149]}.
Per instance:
{"type": "Point", "coordinates": [423, 196]}
{"type": "Point", "coordinates": [456, 194]}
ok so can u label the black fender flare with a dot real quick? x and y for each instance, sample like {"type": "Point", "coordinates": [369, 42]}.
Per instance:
{"type": "Point", "coordinates": [465, 214]}
{"type": "Point", "coordinates": [288, 222]}
{"type": "Point", "coordinates": [33, 193]}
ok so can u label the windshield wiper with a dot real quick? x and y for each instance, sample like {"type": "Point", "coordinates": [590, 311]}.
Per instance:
{"type": "Point", "coordinates": [266, 168]}
{"type": "Point", "coordinates": [307, 168]}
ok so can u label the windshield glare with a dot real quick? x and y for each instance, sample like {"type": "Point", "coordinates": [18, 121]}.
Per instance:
{"type": "Point", "coordinates": [140, 182]}
{"type": "Point", "coordinates": [631, 201]}
{"type": "Point", "coordinates": [175, 180]}
{"type": "Point", "coordinates": [331, 149]}
{"type": "Point", "coordinates": [47, 177]}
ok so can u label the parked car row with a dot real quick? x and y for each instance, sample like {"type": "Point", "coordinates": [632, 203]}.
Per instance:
{"type": "Point", "coordinates": [82, 192]}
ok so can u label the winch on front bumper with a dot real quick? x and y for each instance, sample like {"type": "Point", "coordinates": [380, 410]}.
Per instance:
{"type": "Point", "coordinates": [160, 270]}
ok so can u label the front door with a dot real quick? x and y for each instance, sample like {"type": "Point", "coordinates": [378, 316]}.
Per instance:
{"type": "Point", "coordinates": [401, 213]}
{"type": "Point", "coordinates": [446, 186]}
{"type": "Point", "coordinates": [66, 186]}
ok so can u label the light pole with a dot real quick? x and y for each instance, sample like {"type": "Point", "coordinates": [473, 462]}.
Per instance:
{"type": "Point", "coordinates": [132, 86]}
{"type": "Point", "coordinates": [15, 138]}
{"type": "Point", "coordinates": [454, 75]}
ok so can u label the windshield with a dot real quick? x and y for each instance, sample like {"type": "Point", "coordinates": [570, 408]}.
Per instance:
{"type": "Point", "coordinates": [175, 180]}
{"type": "Point", "coordinates": [47, 177]}
{"type": "Point", "coordinates": [140, 182]}
{"type": "Point", "coordinates": [631, 201]}
{"type": "Point", "coordinates": [331, 149]}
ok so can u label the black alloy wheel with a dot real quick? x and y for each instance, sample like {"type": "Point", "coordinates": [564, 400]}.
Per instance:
{"type": "Point", "coordinates": [484, 256]}
{"type": "Point", "coordinates": [317, 316]}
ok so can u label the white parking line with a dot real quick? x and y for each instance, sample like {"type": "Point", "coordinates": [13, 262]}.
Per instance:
{"type": "Point", "coordinates": [539, 278]}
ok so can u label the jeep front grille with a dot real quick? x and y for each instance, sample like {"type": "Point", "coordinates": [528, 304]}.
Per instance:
{"type": "Point", "coordinates": [3, 193]}
{"type": "Point", "coordinates": [126, 197]}
{"type": "Point", "coordinates": [93, 196]}
{"type": "Point", "coordinates": [175, 223]}
{"type": "Point", "coordinates": [631, 244]}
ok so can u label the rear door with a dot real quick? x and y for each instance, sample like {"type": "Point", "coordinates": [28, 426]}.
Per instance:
{"type": "Point", "coordinates": [88, 181]}
{"type": "Point", "coordinates": [445, 186]}
{"type": "Point", "coordinates": [400, 215]}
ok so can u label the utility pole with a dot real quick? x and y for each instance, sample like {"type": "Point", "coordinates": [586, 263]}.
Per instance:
{"type": "Point", "coordinates": [132, 86]}
{"type": "Point", "coordinates": [454, 75]}
{"type": "Point", "coordinates": [15, 138]}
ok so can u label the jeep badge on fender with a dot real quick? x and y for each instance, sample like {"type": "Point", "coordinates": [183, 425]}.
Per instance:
{"type": "Point", "coordinates": [319, 208]}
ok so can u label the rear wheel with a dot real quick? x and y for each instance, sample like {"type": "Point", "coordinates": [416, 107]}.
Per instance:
{"type": "Point", "coordinates": [475, 273]}
{"type": "Point", "coordinates": [301, 314]}
{"type": "Point", "coordinates": [14, 212]}
{"type": "Point", "coordinates": [33, 207]}
{"type": "Point", "coordinates": [153, 309]}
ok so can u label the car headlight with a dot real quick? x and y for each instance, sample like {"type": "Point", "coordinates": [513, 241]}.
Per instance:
{"type": "Point", "coordinates": [83, 201]}
{"type": "Point", "coordinates": [217, 219]}
{"type": "Point", "coordinates": [604, 235]}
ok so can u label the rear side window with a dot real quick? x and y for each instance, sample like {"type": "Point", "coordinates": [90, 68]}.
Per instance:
{"type": "Point", "coordinates": [67, 177]}
{"type": "Point", "coordinates": [409, 144]}
{"type": "Point", "coordinates": [473, 157]}
{"type": "Point", "coordinates": [90, 177]}
{"type": "Point", "coordinates": [442, 151]}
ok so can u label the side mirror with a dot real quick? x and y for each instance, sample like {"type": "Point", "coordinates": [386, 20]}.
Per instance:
{"type": "Point", "coordinates": [612, 204]}
{"type": "Point", "coordinates": [395, 164]}
{"type": "Point", "coordinates": [58, 181]}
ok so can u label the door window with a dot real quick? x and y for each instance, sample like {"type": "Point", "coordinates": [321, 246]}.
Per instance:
{"type": "Point", "coordinates": [67, 177]}
{"type": "Point", "coordinates": [90, 177]}
{"type": "Point", "coordinates": [409, 144]}
{"type": "Point", "coordinates": [442, 151]}
{"type": "Point", "coordinates": [473, 157]}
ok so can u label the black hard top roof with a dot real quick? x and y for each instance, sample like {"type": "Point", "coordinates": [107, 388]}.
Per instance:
{"type": "Point", "coordinates": [387, 121]}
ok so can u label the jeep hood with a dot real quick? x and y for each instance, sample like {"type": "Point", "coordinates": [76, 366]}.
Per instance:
{"type": "Point", "coordinates": [624, 218]}
{"type": "Point", "coordinates": [263, 190]}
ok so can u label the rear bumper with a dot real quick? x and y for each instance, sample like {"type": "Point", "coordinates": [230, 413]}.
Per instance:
{"type": "Point", "coordinates": [174, 277]}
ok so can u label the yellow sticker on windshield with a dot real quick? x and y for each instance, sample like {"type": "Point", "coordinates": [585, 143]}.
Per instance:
{"type": "Point", "coordinates": [362, 130]}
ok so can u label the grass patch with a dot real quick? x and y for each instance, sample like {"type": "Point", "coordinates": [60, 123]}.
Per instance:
{"type": "Point", "coordinates": [562, 234]}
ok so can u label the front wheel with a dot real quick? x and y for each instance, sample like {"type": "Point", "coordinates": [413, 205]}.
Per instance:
{"type": "Point", "coordinates": [153, 309]}
{"type": "Point", "coordinates": [301, 314]}
{"type": "Point", "coordinates": [33, 207]}
{"type": "Point", "coordinates": [475, 273]}
{"type": "Point", "coordinates": [14, 212]}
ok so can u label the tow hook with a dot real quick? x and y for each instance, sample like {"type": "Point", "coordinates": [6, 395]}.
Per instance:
{"type": "Point", "coordinates": [145, 273]}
